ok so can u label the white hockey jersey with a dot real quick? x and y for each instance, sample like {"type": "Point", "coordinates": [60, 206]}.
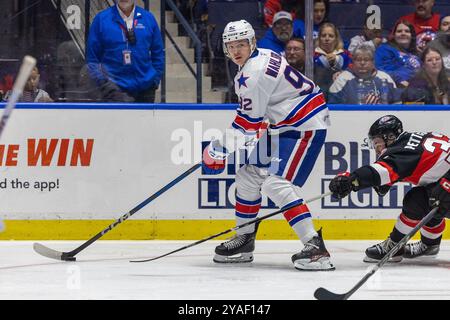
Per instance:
{"type": "Point", "coordinates": [269, 89]}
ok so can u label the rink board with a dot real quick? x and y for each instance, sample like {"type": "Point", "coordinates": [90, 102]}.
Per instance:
{"type": "Point", "coordinates": [67, 171]}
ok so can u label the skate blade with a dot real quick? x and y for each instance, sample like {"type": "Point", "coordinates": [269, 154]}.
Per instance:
{"type": "Point", "coordinates": [238, 258]}
{"type": "Point", "coordinates": [426, 256]}
{"type": "Point", "coordinates": [393, 259]}
{"type": "Point", "coordinates": [322, 264]}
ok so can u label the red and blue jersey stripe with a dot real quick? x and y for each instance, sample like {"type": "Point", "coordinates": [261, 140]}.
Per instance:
{"type": "Point", "coordinates": [308, 108]}
{"type": "Point", "coordinates": [245, 123]}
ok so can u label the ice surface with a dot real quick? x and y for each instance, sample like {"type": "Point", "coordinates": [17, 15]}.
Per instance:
{"type": "Point", "coordinates": [103, 271]}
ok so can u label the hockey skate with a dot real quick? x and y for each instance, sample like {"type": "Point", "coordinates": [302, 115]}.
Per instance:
{"type": "Point", "coordinates": [376, 252]}
{"type": "Point", "coordinates": [417, 249]}
{"type": "Point", "coordinates": [238, 249]}
{"type": "Point", "coordinates": [314, 256]}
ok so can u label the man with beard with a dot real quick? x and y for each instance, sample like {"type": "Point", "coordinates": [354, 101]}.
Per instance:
{"type": "Point", "coordinates": [425, 22]}
{"type": "Point", "coordinates": [277, 37]}
{"type": "Point", "coordinates": [295, 54]}
{"type": "Point", "coordinates": [378, 86]}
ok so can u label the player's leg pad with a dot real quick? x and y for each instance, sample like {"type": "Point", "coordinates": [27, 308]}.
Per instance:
{"type": "Point", "coordinates": [417, 249]}
{"type": "Point", "coordinates": [314, 256]}
{"type": "Point", "coordinates": [377, 252]}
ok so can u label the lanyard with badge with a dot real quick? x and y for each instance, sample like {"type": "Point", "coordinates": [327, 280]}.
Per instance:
{"type": "Point", "coordinates": [130, 38]}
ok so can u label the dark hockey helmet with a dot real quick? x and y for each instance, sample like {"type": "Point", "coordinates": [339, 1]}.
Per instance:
{"type": "Point", "coordinates": [388, 127]}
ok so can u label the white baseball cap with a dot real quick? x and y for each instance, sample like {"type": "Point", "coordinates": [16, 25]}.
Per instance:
{"type": "Point", "coordinates": [281, 15]}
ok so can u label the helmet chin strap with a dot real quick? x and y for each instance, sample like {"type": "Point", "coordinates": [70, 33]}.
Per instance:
{"type": "Point", "coordinates": [389, 138]}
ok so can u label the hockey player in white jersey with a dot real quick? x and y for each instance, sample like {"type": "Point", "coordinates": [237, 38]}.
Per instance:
{"type": "Point", "coordinates": [270, 90]}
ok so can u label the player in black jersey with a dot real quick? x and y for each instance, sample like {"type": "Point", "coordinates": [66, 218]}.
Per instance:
{"type": "Point", "coordinates": [422, 159]}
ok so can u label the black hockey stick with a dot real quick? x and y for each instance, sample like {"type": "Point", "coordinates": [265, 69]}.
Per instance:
{"type": "Point", "coordinates": [70, 256]}
{"type": "Point", "coordinates": [324, 294]}
{"type": "Point", "coordinates": [235, 228]}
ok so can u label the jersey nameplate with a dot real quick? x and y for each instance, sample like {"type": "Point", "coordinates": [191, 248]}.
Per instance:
{"type": "Point", "coordinates": [414, 140]}
{"type": "Point", "coordinates": [274, 65]}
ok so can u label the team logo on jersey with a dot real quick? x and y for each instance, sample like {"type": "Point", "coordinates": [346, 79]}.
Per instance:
{"type": "Point", "coordinates": [241, 81]}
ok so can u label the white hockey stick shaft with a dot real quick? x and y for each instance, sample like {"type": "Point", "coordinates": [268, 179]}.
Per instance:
{"type": "Point", "coordinates": [24, 73]}
{"type": "Point", "coordinates": [22, 77]}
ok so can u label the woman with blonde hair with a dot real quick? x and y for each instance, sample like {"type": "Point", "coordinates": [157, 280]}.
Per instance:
{"type": "Point", "coordinates": [330, 57]}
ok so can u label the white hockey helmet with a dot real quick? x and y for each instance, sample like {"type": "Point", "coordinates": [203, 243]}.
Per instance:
{"type": "Point", "coordinates": [238, 30]}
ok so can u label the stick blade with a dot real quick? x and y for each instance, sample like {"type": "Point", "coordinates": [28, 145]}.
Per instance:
{"type": "Point", "coordinates": [51, 254]}
{"type": "Point", "coordinates": [324, 294]}
{"type": "Point", "coordinates": [146, 260]}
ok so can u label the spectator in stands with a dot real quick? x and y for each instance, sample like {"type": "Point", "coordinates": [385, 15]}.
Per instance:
{"type": "Point", "coordinates": [276, 37]}
{"type": "Point", "coordinates": [370, 36]}
{"type": "Point", "coordinates": [363, 83]}
{"type": "Point", "coordinates": [297, 10]}
{"type": "Point", "coordinates": [398, 57]}
{"type": "Point", "coordinates": [425, 22]}
{"type": "Point", "coordinates": [295, 54]}
{"type": "Point", "coordinates": [442, 43]}
{"type": "Point", "coordinates": [271, 7]}
{"type": "Point", "coordinates": [31, 91]}
{"type": "Point", "coordinates": [430, 85]}
{"type": "Point", "coordinates": [320, 16]}
{"type": "Point", "coordinates": [445, 24]}
{"type": "Point", "coordinates": [125, 54]}
{"type": "Point", "coordinates": [6, 84]}
{"type": "Point", "coordinates": [330, 58]}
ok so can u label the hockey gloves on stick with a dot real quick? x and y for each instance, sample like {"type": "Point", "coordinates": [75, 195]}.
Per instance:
{"type": "Point", "coordinates": [213, 162]}
{"type": "Point", "coordinates": [343, 184]}
{"type": "Point", "coordinates": [440, 197]}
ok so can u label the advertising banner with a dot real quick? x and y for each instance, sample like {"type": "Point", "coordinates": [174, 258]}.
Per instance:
{"type": "Point", "coordinates": [78, 163]}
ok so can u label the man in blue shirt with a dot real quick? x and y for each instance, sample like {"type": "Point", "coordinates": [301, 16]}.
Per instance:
{"type": "Point", "coordinates": [281, 32]}
{"type": "Point", "coordinates": [125, 54]}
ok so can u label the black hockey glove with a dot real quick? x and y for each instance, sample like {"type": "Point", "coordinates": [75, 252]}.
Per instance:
{"type": "Point", "coordinates": [382, 190]}
{"type": "Point", "coordinates": [440, 197]}
{"type": "Point", "coordinates": [343, 184]}
{"type": "Point", "coordinates": [112, 93]}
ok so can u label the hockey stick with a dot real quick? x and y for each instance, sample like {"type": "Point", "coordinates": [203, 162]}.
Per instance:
{"type": "Point", "coordinates": [235, 228]}
{"type": "Point", "coordinates": [22, 77]}
{"type": "Point", "coordinates": [70, 256]}
{"type": "Point", "coordinates": [324, 294]}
